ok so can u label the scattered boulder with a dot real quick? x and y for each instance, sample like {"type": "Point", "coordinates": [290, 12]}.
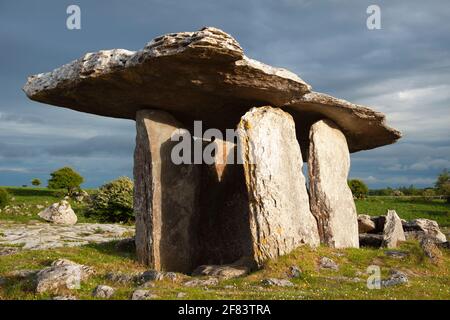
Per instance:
{"type": "Point", "coordinates": [120, 278]}
{"type": "Point", "coordinates": [396, 277]}
{"type": "Point", "coordinates": [181, 294]}
{"type": "Point", "coordinates": [393, 230]}
{"type": "Point", "coordinates": [59, 213]}
{"type": "Point", "coordinates": [202, 282]}
{"type": "Point", "coordinates": [227, 271]}
{"type": "Point", "coordinates": [62, 274]}
{"type": "Point", "coordinates": [366, 224]}
{"type": "Point", "coordinates": [327, 263]}
{"type": "Point", "coordinates": [140, 294]}
{"type": "Point", "coordinates": [396, 254]}
{"type": "Point", "coordinates": [430, 249]}
{"type": "Point", "coordinates": [103, 292]}
{"type": "Point", "coordinates": [277, 282]}
{"type": "Point", "coordinates": [150, 275]}
{"type": "Point", "coordinates": [64, 298]}
{"type": "Point", "coordinates": [294, 272]}
{"type": "Point", "coordinates": [419, 228]}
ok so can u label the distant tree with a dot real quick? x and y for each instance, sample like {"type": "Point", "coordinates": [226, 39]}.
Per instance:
{"type": "Point", "coordinates": [36, 182]}
{"type": "Point", "coordinates": [4, 198]}
{"type": "Point", "coordinates": [442, 184]}
{"type": "Point", "coordinates": [65, 178]}
{"type": "Point", "coordinates": [358, 188]}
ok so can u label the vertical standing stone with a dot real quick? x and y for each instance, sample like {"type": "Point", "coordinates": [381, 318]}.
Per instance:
{"type": "Point", "coordinates": [331, 199]}
{"type": "Point", "coordinates": [280, 218]}
{"type": "Point", "coordinates": [393, 230]}
{"type": "Point", "coordinates": [164, 197]}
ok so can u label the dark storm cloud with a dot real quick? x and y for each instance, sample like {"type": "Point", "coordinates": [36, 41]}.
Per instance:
{"type": "Point", "coordinates": [401, 70]}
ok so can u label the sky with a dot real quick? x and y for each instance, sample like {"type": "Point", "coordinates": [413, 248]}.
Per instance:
{"type": "Point", "coordinates": [402, 70]}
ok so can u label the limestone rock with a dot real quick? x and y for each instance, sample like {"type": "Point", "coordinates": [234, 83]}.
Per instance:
{"type": "Point", "coordinates": [327, 263]}
{"type": "Point", "coordinates": [396, 278]}
{"type": "Point", "coordinates": [330, 197]}
{"type": "Point", "coordinates": [294, 272]}
{"type": "Point", "coordinates": [202, 282]}
{"type": "Point", "coordinates": [393, 230]}
{"type": "Point", "coordinates": [431, 250]}
{"type": "Point", "coordinates": [67, 297]}
{"type": "Point", "coordinates": [103, 292]}
{"type": "Point", "coordinates": [237, 269]}
{"type": "Point", "coordinates": [280, 218]}
{"type": "Point", "coordinates": [59, 213]}
{"type": "Point", "coordinates": [363, 127]}
{"type": "Point", "coordinates": [119, 277]}
{"type": "Point", "coordinates": [165, 196]}
{"type": "Point", "coordinates": [277, 282]}
{"type": "Point", "coordinates": [150, 275]}
{"type": "Point", "coordinates": [62, 274]}
{"type": "Point", "coordinates": [214, 81]}
{"type": "Point", "coordinates": [425, 228]}
{"type": "Point", "coordinates": [140, 294]}
{"type": "Point", "coordinates": [207, 69]}
{"type": "Point", "coordinates": [365, 224]}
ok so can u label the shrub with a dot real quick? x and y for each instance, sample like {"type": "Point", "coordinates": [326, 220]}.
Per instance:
{"type": "Point", "coordinates": [443, 184]}
{"type": "Point", "coordinates": [65, 178]}
{"type": "Point", "coordinates": [358, 188]}
{"type": "Point", "coordinates": [4, 198]}
{"type": "Point", "coordinates": [36, 182]}
{"type": "Point", "coordinates": [114, 201]}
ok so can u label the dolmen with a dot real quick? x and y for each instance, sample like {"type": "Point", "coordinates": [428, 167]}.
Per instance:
{"type": "Point", "coordinates": [221, 140]}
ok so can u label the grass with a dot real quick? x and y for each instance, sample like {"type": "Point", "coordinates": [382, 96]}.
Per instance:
{"type": "Point", "coordinates": [407, 208]}
{"type": "Point", "coordinates": [426, 280]}
{"type": "Point", "coordinates": [30, 197]}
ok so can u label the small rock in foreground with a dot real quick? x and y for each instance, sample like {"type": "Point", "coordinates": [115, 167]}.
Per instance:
{"type": "Point", "coordinates": [143, 295]}
{"type": "Point", "coordinates": [277, 282]}
{"type": "Point", "coordinates": [103, 291]}
{"type": "Point", "coordinates": [327, 263]}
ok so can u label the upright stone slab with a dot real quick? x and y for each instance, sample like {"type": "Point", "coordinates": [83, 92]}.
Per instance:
{"type": "Point", "coordinates": [280, 218]}
{"type": "Point", "coordinates": [165, 196]}
{"type": "Point", "coordinates": [393, 230]}
{"type": "Point", "coordinates": [331, 199]}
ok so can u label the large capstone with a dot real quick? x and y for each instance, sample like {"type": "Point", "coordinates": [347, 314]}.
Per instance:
{"type": "Point", "coordinates": [202, 75]}
{"type": "Point", "coordinates": [331, 199]}
{"type": "Point", "coordinates": [165, 197]}
{"type": "Point", "coordinates": [280, 218]}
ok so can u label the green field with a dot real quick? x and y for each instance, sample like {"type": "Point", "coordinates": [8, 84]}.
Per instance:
{"type": "Point", "coordinates": [427, 280]}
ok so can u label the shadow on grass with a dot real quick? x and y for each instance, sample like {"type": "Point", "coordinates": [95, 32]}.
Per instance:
{"type": "Point", "coordinates": [116, 248]}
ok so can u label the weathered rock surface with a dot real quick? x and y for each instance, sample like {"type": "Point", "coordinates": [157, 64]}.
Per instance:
{"type": "Point", "coordinates": [237, 269]}
{"type": "Point", "coordinates": [330, 197]}
{"type": "Point", "coordinates": [277, 282]}
{"type": "Point", "coordinates": [202, 282]}
{"type": "Point", "coordinates": [62, 274]}
{"type": "Point", "coordinates": [431, 250]}
{"type": "Point", "coordinates": [103, 292]}
{"type": "Point", "coordinates": [363, 127]}
{"type": "Point", "coordinates": [393, 230]}
{"type": "Point", "coordinates": [420, 228]}
{"type": "Point", "coordinates": [42, 236]}
{"type": "Point", "coordinates": [120, 277]}
{"type": "Point", "coordinates": [365, 224]}
{"type": "Point", "coordinates": [280, 218]}
{"type": "Point", "coordinates": [140, 294]}
{"type": "Point", "coordinates": [64, 298]}
{"type": "Point", "coordinates": [214, 81]}
{"type": "Point", "coordinates": [59, 213]}
{"type": "Point", "coordinates": [327, 263]}
{"type": "Point", "coordinates": [165, 196]}
{"type": "Point", "coordinates": [396, 278]}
